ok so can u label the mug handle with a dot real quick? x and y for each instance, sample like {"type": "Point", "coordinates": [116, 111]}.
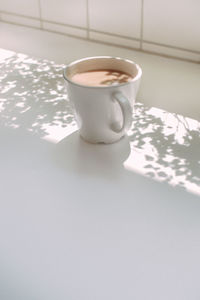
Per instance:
{"type": "Point", "coordinates": [126, 111]}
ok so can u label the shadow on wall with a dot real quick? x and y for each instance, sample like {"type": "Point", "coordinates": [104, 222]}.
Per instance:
{"type": "Point", "coordinates": [163, 145]}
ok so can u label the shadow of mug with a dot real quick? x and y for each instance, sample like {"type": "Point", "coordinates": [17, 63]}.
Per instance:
{"type": "Point", "coordinates": [101, 160]}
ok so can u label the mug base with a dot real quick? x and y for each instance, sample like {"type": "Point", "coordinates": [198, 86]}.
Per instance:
{"type": "Point", "coordinates": [101, 141]}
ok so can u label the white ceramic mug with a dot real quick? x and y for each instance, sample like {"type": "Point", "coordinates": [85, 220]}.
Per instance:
{"type": "Point", "coordinates": [103, 113]}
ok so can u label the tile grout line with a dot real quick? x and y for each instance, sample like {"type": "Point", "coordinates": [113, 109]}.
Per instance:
{"type": "Point", "coordinates": [88, 19]}
{"type": "Point", "coordinates": [40, 14]}
{"type": "Point", "coordinates": [102, 32]}
{"type": "Point", "coordinates": [112, 44]}
{"type": "Point", "coordinates": [142, 23]}
{"type": "Point", "coordinates": [18, 15]}
{"type": "Point", "coordinates": [43, 20]}
{"type": "Point", "coordinates": [115, 35]}
{"type": "Point", "coordinates": [109, 44]}
{"type": "Point", "coordinates": [22, 25]}
{"type": "Point", "coordinates": [171, 47]}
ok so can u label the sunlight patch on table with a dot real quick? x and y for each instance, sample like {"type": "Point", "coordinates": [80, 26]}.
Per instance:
{"type": "Point", "coordinates": [165, 146]}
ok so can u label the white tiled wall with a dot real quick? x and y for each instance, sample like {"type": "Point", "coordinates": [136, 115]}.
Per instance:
{"type": "Point", "coordinates": [114, 17]}
{"type": "Point", "coordinates": [69, 30]}
{"type": "Point", "coordinates": [6, 17]}
{"type": "Point", "coordinates": [22, 7]}
{"type": "Point", "coordinates": [71, 12]}
{"type": "Point", "coordinates": [164, 27]}
{"type": "Point", "coordinates": [114, 40]}
{"type": "Point", "coordinates": [173, 22]}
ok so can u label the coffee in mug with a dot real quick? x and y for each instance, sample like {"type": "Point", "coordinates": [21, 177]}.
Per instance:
{"type": "Point", "coordinates": [101, 77]}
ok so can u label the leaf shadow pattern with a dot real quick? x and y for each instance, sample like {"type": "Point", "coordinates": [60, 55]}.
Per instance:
{"type": "Point", "coordinates": [33, 96]}
{"type": "Point", "coordinates": [166, 146]}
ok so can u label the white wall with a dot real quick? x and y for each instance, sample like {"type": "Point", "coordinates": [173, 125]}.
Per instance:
{"type": "Point", "coordinates": [166, 27]}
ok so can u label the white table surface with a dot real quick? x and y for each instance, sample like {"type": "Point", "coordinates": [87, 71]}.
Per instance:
{"type": "Point", "coordinates": [82, 221]}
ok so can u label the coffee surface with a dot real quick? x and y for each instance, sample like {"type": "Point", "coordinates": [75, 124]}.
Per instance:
{"type": "Point", "coordinates": [101, 77]}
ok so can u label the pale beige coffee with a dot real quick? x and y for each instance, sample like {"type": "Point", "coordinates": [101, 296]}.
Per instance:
{"type": "Point", "coordinates": [101, 77]}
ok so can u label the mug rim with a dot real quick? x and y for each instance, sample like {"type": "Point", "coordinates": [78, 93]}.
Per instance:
{"type": "Point", "coordinates": [139, 74]}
